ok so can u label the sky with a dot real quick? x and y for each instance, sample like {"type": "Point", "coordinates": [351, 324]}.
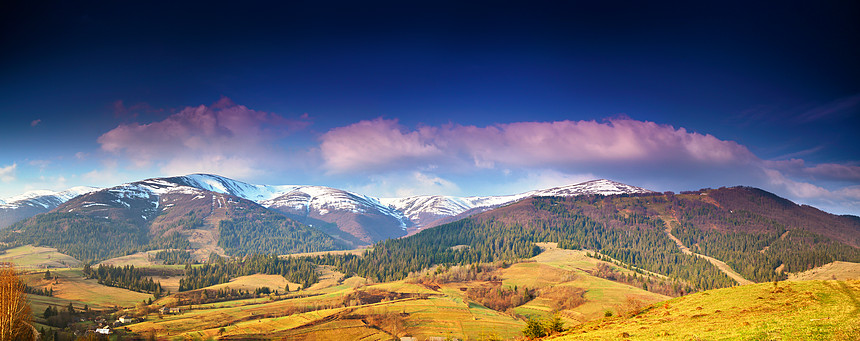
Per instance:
{"type": "Point", "coordinates": [453, 98]}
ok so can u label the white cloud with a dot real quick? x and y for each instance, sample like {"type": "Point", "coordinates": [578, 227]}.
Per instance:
{"type": "Point", "coordinates": [7, 173]}
{"type": "Point", "coordinates": [404, 184]}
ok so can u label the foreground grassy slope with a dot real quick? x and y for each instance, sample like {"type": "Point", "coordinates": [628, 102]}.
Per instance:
{"type": "Point", "coordinates": [810, 310]}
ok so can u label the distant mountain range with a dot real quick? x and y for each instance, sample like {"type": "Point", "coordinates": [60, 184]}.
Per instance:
{"type": "Point", "coordinates": [32, 203]}
{"type": "Point", "coordinates": [353, 218]}
{"type": "Point", "coordinates": [756, 233]}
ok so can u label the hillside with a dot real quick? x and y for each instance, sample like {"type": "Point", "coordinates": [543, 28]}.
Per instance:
{"type": "Point", "coordinates": [812, 310]}
{"type": "Point", "coordinates": [158, 214]}
{"type": "Point", "coordinates": [751, 246]}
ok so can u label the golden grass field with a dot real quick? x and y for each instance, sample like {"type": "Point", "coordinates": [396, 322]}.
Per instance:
{"type": "Point", "coordinates": [835, 270]}
{"type": "Point", "coordinates": [70, 285]}
{"type": "Point", "coordinates": [442, 311]}
{"type": "Point", "coordinates": [38, 257]}
{"type": "Point", "coordinates": [809, 310]}
{"type": "Point", "coordinates": [803, 309]}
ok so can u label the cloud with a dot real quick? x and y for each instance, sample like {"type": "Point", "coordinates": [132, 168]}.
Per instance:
{"type": "Point", "coordinates": [384, 144]}
{"type": "Point", "coordinates": [7, 173]}
{"type": "Point", "coordinates": [545, 179]}
{"type": "Point", "coordinates": [841, 107]}
{"type": "Point", "coordinates": [795, 188]}
{"type": "Point", "coordinates": [821, 171]}
{"type": "Point", "coordinates": [224, 138]}
{"type": "Point", "coordinates": [380, 143]}
{"type": "Point", "coordinates": [35, 122]}
{"type": "Point", "coordinates": [42, 164]}
{"type": "Point", "coordinates": [405, 184]}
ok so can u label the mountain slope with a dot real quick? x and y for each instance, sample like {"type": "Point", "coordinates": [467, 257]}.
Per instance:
{"type": "Point", "coordinates": [429, 211]}
{"type": "Point", "coordinates": [158, 213]}
{"type": "Point", "coordinates": [32, 203]}
{"type": "Point", "coordinates": [631, 229]}
{"type": "Point", "coordinates": [361, 220]}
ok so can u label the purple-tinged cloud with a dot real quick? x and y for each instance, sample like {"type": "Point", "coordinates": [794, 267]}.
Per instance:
{"type": "Point", "coordinates": [822, 171]}
{"type": "Point", "coordinates": [35, 122]}
{"type": "Point", "coordinates": [224, 138]}
{"type": "Point", "coordinates": [384, 144]}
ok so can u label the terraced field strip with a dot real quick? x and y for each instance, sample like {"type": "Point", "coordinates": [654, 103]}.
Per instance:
{"type": "Point", "coordinates": [725, 268]}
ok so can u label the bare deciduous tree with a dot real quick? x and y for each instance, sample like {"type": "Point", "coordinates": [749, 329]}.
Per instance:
{"type": "Point", "coordinates": [15, 316]}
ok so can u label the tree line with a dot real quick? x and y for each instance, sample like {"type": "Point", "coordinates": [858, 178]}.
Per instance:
{"type": "Point", "coordinates": [127, 277]}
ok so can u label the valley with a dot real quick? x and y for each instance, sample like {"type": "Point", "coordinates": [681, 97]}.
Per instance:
{"type": "Point", "coordinates": [178, 260]}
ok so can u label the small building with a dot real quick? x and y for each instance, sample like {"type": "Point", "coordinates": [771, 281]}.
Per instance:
{"type": "Point", "coordinates": [166, 310]}
{"type": "Point", "coordinates": [104, 330]}
{"type": "Point", "coordinates": [125, 319]}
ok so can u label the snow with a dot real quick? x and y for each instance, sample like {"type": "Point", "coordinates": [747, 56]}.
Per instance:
{"type": "Point", "coordinates": [319, 199]}
{"type": "Point", "coordinates": [45, 198]}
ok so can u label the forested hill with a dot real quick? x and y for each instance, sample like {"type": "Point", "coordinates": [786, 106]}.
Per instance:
{"type": "Point", "coordinates": [756, 239]}
{"type": "Point", "coordinates": [155, 213]}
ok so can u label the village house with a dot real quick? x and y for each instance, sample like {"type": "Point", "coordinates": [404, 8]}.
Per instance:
{"type": "Point", "coordinates": [166, 310]}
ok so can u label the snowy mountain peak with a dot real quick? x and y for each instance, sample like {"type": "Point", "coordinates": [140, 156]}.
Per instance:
{"type": "Point", "coordinates": [240, 189]}
{"type": "Point", "coordinates": [45, 198]}
{"type": "Point", "coordinates": [601, 187]}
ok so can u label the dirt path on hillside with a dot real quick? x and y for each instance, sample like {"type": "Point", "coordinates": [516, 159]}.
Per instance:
{"type": "Point", "coordinates": [725, 268]}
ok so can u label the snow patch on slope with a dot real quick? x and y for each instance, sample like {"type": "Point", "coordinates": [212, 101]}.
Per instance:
{"type": "Point", "coordinates": [45, 198]}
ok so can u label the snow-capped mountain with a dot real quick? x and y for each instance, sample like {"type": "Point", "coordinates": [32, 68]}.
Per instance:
{"type": "Point", "coordinates": [427, 211]}
{"type": "Point", "coordinates": [351, 217]}
{"type": "Point", "coordinates": [34, 202]}
{"type": "Point", "coordinates": [358, 219]}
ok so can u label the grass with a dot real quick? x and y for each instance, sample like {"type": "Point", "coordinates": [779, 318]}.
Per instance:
{"type": "Point", "coordinates": [560, 267]}
{"type": "Point", "coordinates": [442, 311]}
{"type": "Point", "coordinates": [251, 282]}
{"type": "Point", "coordinates": [835, 270]}
{"type": "Point", "coordinates": [38, 257]}
{"type": "Point", "coordinates": [71, 286]}
{"type": "Point", "coordinates": [811, 310]}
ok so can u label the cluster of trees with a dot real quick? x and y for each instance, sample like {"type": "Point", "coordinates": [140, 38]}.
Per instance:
{"type": "Point", "coordinates": [39, 291]}
{"type": "Point", "coordinates": [259, 231]}
{"type": "Point", "coordinates": [500, 298]}
{"type": "Point", "coordinates": [540, 328]}
{"type": "Point", "coordinates": [171, 257]}
{"type": "Point", "coordinates": [297, 270]}
{"type": "Point", "coordinates": [394, 259]}
{"type": "Point", "coordinates": [457, 274]}
{"type": "Point", "coordinates": [127, 277]}
{"type": "Point", "coordinates": [87, 238]}
{"type": "Point", "coordinates": [639, 280]}
{"type": "Point", "coordinates": [210, 296]}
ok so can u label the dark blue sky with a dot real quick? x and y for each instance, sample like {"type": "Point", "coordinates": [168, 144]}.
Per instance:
{"type": "Point", "coordinates": [781, 80]}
